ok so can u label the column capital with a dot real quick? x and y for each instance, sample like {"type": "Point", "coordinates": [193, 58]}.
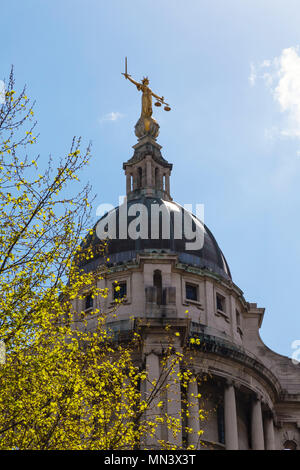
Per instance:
{"type": "Point", "coordinates": [232, 382]}
{"type": "Point", "coordinates": [257, 396]}
{"type": "Point", "coordinates": [151, 351]}
{"type": "Point", "coordinates": [269, 413]}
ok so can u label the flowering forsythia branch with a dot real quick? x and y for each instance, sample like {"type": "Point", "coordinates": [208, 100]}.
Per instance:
{"type": "Point", "coordinates": [63, 386]}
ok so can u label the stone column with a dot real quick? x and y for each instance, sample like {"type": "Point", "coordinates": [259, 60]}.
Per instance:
{"type": "Point", "coordinates": [167, 183]}
{"type": "Point", "coordinates": [257, 432]}
{"type": "Point", "coordinates": [153, 370]}
{"type": "Point", "coordinates": [160, 176]}
{"type": "Point", "coordinates": [128, 183]}
{"type": "Point", "coordinates": [135, 178]}
{"type": "Point", "coordinates": [148, 172]}
{"type": "Point", "coordinates": [143, 176]}
{"type": "Point", "coordinates": [174, 402]}
{"type": "Point", "coordinates": [269, 431]}
{"type": "Point", "coordinates": [231, 431]}
{"type": "Point", "coordinates": [193, 418]}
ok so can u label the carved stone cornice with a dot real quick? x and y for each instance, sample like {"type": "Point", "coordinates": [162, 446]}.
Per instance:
{"type": "Point", "coordinates": [147, 146]}
{"type": "Point", "coordinates": [224, 348]}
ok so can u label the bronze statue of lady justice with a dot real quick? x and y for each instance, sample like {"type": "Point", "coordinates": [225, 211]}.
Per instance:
{"type": "Point", "coordinates": [146, 112]}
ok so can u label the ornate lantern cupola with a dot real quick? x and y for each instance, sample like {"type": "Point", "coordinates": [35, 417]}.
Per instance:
{"type": "Point", "coordinates": [147, 172]}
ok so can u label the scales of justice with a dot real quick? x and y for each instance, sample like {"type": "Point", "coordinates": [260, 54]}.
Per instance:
{"type": "Point", "coordinates": [146, 125]}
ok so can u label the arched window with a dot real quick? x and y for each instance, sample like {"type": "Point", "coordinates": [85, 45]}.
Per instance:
{"type": "Point", "coordinates": [290, 445]}
{"type": "Point", "coordinates": [157, 282]}
{"type": "Point", "coordinates": [89, 301]}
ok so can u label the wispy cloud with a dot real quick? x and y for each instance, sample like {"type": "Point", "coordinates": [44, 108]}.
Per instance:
{"type": "Point", "coordinates": [2, 92]}
{"type": "Point", "coordinates": [252, 76]}
{"type": "Point", "coordinates": [287, 91]}
{"type": "Point", "coordinates": [271, 133]}
{"type": "Point", "coordinates": [281, 76]}
{"type": "Point", "coordinates": [112, 116]}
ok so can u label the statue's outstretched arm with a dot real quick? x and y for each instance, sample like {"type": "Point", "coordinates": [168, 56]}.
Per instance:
{"type": "Point", "coordinates": [126, 75]}
{"type": "Point", "coordinates": [160, 98]}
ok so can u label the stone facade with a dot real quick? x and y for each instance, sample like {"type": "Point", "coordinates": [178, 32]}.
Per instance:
{"type": "Point", "coordinates": [250, 393]}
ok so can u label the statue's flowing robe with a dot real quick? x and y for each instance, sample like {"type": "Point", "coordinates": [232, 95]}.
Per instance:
{"type": "Point", "coordinates": [146, 102]}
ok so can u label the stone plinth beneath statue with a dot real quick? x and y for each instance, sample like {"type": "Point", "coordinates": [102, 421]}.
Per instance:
{"type": "Point", "coordinates": [146, 127]}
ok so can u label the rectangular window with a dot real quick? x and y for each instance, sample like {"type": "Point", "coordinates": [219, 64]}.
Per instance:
{"type": "Point", "coordinates": [89, 301]}
{"type": "Point", "coordinates": [120, 290]}
{"type": "Point", "coordinates": [221, 303]}
{"type": "Point", "coordinates": [191, 292]}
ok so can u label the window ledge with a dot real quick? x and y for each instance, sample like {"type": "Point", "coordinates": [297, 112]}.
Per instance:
{"type": "Point", "coordinates": [240, 331]}
{"type": "Point", "coordinates": [125, 301]}
{"type": "Point", "coordinates": [88, 310]}
{"type": "Point", "coordinates": [220, 313]}
{"type": "Point", "coordinates": [193, 302]}
{"type": "Point", "coordinates": [216, 444]}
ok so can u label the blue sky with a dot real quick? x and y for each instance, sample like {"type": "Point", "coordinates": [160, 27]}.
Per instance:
{"type": "Point", "coordinates": [231, 72]}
